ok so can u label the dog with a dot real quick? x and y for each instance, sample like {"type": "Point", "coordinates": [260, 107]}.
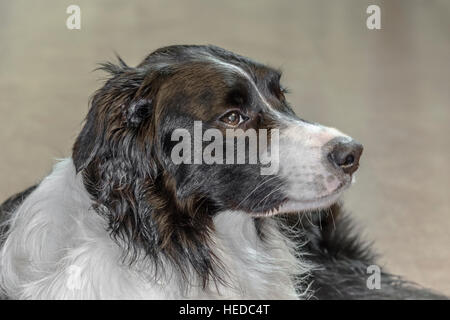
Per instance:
{"type": "Point", "coordinates": [120, 219]}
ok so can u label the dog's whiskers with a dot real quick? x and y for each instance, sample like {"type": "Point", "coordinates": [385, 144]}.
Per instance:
{"type": "Point", "coordinates": [257, 187]}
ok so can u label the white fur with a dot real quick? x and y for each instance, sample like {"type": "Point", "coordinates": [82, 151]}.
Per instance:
{"type": "Point", "coordinates": [58, 248]}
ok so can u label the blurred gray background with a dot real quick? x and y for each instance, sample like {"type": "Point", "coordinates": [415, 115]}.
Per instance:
{"type": "Point", "coordinates": [388, 88]}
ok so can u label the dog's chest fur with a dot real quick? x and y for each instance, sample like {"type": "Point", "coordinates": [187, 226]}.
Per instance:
{"type": "Point", "coordinates": [57, 247]}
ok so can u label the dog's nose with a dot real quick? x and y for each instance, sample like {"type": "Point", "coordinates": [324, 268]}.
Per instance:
{"type": "Point", "coordinates": [346, 155]}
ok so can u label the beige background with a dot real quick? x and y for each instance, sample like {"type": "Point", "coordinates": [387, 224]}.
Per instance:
{"type": "Point", "coordinates": [390, 89]}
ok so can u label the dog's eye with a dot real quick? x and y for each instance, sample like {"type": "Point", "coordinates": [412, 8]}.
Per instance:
{"type": "Point", "coordinates": [233, 118]}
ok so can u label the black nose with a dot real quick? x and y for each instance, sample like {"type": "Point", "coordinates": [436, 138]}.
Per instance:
{"type": "Point", "coordinates": [346, 155]}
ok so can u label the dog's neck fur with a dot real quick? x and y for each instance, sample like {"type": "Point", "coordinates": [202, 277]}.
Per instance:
{"type": "Point", "coordinates": [58, 247]}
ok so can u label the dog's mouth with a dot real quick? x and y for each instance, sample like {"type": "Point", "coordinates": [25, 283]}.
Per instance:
{"type": "Point", "coordinates": [288, 205]}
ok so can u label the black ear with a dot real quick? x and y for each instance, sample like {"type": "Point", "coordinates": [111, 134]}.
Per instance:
{"type": "Point", "coordinates": [123, 102]}
{"type": "Point", "coordinates": [92, 136]}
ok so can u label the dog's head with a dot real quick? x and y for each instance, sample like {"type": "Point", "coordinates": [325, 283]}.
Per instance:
{"type": "Point", "coordinates": [129, 149]}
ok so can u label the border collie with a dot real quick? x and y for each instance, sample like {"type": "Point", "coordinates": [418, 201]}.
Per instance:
{"type": "Point", "coordinates": [120, 220]}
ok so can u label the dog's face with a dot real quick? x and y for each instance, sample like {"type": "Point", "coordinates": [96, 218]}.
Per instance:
{"type": "Point", "coordinates": [226, 92]}
{"type": "Point", "coordinates": [126, 148]}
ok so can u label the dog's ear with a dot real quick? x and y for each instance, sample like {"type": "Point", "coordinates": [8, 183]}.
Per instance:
{"type": "Point", "coordinates": [124, 102]}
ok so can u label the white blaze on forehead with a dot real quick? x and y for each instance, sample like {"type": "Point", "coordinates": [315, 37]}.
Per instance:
{"type": "Point", "coordinates": [245, 75]}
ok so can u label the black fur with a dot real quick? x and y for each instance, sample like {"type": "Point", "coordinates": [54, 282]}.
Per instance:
{"type": "Point", "coordinates": [342, 258]}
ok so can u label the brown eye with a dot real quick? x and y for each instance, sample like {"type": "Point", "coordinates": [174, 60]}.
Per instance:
{"type": "Point", "coordinates": [233, 118]}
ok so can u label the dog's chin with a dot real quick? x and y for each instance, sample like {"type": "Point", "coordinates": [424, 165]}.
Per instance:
{"type": "Point", "coordinates": [298, 206]}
